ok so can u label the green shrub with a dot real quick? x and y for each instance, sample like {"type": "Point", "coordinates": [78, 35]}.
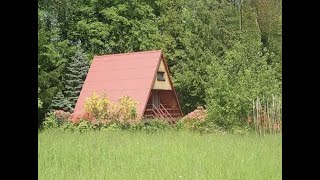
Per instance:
{"type": "Point", "coordinates": [98, 106]}
{"type": "Point", "coordinates": [126, 125]}
{"type": "Point", "coordinates": [191, 124]}
{"type": "Point", "coordinates": [50, 121]}
{"type": "Point", "coordinates": [61, 116]}
{"type": "Point", "coordinates": [127, 108]}
{"type": "Point", "coordinates": [84, 126]}
{"type": "Point", "coordinates": [198, 126]}
{"type": "Point", "coordinates": [243, 76]}
{"type": "Point", "coordinates": [152, 125]}
{"type": "Point", "coordinates": [104, 111]}
{"type": "Point", "coordinates": [113, 126]}
{"type": "Point", "coordinates": [199, 114]}
{"type": "Point", "coordinates": [179, 125]}
{"type": "Point", "coordinates": [68, 126]}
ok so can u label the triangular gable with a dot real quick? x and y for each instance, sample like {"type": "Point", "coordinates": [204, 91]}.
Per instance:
{"type": "Point", "coordinates": [162, 66]}
{"type": "Point", "coordinates": [165, 85]}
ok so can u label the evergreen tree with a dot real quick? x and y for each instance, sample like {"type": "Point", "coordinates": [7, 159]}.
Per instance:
{"type": "Point", "coordinates": [59, 102]}
{"type": "Point", "coordinates": [76, 74]}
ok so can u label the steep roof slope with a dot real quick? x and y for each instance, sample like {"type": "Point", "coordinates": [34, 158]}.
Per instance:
{"type": "Point", "coordinates": [127, 74]}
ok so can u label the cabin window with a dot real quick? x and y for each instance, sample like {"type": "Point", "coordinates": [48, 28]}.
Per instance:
{"type": "Point", "coordinates": [160, 76]}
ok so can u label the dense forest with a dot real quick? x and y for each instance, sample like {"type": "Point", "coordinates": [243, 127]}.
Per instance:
{"type": "Point", "coordinates": [222, 54]}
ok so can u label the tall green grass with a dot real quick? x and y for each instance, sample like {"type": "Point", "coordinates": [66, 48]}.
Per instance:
{"type": "Point", "coordinates": [164, 155]}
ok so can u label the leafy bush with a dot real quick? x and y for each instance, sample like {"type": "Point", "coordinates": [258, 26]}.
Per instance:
{"type": "Point", "coordinates": [61, 116]}
{"type": "Point", "coordinates": [152, 125]}
{"type": "Point", "coordinates": [68, 126]}
{"type": "Point", "coordinates": [179, 125]}
{"type": "Point", "coordinates": [191, 124]}
{"type": "Point", "coordinates": [198, 126]}
{"type": "Point", "coordinates": [111, 127]}
{"type": "Point", "coordinates": [98, 106]}
{"type": "Point", "coordinates": [197, 121]}
{"type": "Point", "coordinates": [127, 108]}
{"type": "Point", "coordinates": [193, 120]}
{"type": "Point", "coordinates": [243, 76]}
{"type": "Point", "coordinates": [75, 118]}
{"type": "Point", "coordinates": [209, 127]}
{"type": "Point", "coordinates": [84, 126]}
{"type": "Point", "coordinates": [199, 114]}
{"type": "Point", "coordinates": [87, 116]}
{"type": "Point", "coordinates": [104, 111]}
{"type": "Point", "coordinates": [50, 121]}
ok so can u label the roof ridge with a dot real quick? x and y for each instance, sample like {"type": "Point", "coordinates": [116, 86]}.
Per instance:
{"type": "Point", "coordinates": [128, 53]}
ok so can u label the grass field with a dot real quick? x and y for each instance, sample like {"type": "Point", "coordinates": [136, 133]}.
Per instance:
{"type": "Point", "coordinates": [165, 155]}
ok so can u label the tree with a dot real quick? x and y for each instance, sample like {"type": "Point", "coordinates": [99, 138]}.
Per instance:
{"type": "Point", "coordinates": [244, 76]}
{"type": "Point", "coordinates": [269, 20]}
{"type": "Point", "coordinates": [59, 102]}
{"type": "Point", "coordinates": [106, 26]}
{"type": "Point", "coordinates": [209, 29]}
{"type": "Point", "coordinates": [76, 74]}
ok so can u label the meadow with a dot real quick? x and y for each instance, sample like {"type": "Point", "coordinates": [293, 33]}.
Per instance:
{"type": "Point", "coordinates": [162, 155]}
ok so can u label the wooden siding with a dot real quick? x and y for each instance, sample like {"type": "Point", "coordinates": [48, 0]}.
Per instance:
{"type": "Point", "coordinates": [163, 85]}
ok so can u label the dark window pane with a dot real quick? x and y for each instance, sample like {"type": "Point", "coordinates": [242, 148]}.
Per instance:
{"type": "Point", "coordinates": [160, 76]}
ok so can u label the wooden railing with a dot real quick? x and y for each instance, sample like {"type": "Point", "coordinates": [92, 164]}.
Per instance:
{"type": "Point", "coordinates": [165, 111]}
{"type": "Point", "coordinates": [168, 114]}
{"type": "Point", "coordinates": [159, 112]}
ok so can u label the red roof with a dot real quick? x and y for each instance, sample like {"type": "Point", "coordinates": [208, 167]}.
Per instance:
{"type": "Point", "coordinates": [127, 74]}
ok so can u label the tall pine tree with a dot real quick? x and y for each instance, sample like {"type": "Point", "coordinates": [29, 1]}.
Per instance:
{"type": "Point", "coordinates": [59, 102]}
{"type": "Point", "coordinates": [76, 74]}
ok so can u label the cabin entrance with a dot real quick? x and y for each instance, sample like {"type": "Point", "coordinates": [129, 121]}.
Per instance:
{"type": "Point", "coordinates": [155, 99]}
{"type": "Point", "coordinates": [162, 104]}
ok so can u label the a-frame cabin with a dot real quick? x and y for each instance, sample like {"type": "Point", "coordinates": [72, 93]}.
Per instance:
{"type": "Point", "coordinates": [144, 76]}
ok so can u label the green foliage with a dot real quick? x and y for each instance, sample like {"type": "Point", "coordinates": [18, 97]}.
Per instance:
{"type": "Point", "coordinates": [244, 76]}
{"type": "Point", "coordinates": [84, 126]}
{"type": "Point", "coordinates": [179, 125]}
{"type": "Point", "coordinates": [68, 126]}
{"type": "Point", "coordinates": [99, 106]}
{"type": "Point", "coordinates": [39, 101]}
{"type": "Point", "coordinates": [111, 127]}
{"type": "Point", "coordinates": [50, 121]}
{"type": "Point", "coordinates": [127, 108]}
{"type": "Point", "coordinates": [39, 104]}
{"type": "Point", "coordinates": [154, 125]}
{"type": "Point", "coordinates": [62, 116]}
{"type": "Point", "coordinates": [59, 102]}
